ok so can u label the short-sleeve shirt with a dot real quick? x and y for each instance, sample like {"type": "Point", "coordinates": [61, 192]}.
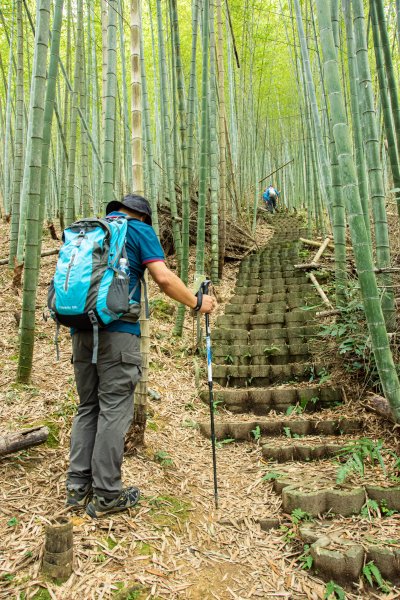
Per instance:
{"type": "Point", "coordinates": [142, 247]}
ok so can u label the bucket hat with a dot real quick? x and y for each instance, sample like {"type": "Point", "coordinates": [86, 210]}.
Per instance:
{"type": "Point", "coordinates": [133, 202]}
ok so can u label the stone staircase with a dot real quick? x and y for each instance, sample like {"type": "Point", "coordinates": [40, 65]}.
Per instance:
{"type": "Point", "coordinates": [262, 354]}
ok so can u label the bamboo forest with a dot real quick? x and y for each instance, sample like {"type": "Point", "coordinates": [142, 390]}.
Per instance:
{"type": "Point", "coordinates": [200, 295]}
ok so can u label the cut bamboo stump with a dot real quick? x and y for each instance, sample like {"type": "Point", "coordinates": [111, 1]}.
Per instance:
{"type": "Point", "coordinates": [58, 551]}
{"type": "Point", "coordinates": [12, 442]}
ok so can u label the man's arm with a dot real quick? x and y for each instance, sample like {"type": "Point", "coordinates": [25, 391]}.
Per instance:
{"type": "Point", "coordinates": [174, 287]}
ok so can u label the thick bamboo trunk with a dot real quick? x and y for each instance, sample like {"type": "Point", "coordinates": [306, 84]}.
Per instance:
{"type": "Point", "coordinates": [362, 250]}
{"type": "Point", "coordinates": [33, 166]}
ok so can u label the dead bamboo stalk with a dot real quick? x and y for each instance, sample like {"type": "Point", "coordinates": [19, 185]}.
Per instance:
{"type": "Point", "coordinates": [328, 313]}
{"type": "Point", "coordinates": [319, 290]}
{"type": "Point", "coordinates": [314, 243]}
{"type": "Point", "coordinates": [307, 266]}
{"type": "Point", "coordinates": [322, 249]}
{"type": "Point", "coordinates": [19, 440]}
{"type": "Point", "coordinates": [4, 261]}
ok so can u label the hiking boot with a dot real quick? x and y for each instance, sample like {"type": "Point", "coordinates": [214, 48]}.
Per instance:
{"type": "Point", "coordinates": [78, 496]}
{"type": "Point", "coordinates": [100, 506]}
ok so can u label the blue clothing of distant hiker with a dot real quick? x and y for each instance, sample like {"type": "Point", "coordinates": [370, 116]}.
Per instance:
{"type": "Point", "coordinates": [270, 197]}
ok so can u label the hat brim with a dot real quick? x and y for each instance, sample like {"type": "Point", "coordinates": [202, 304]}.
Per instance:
{"type": "Point", "coordinates": [115, 205]}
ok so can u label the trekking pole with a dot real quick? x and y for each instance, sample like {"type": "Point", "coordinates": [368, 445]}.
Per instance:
{"type": "Point", "coordinates": [204, 287]}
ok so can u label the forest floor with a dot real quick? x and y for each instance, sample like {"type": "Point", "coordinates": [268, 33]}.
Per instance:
{"type": "Point", "coordinates": [174, 544]}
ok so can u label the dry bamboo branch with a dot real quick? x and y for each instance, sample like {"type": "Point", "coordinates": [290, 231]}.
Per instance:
{"type": "Point", "coordinates": [328, 313]}
{"type": "Point", "coordinates": [314, 243]}
{"type": "Point", "coordinates": [276, 170]}
{"type": "Point", "coordinates": [322, 249]}
{"type": "Point", "coordinates": [319, 290]}
{"type": "Point", "coordinates": [307, 266]}
{"type": "Point", "coordinates": [4, 261]}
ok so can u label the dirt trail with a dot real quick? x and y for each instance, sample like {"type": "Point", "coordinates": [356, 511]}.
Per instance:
{"type": "Point", "coordinates": [175, 545]}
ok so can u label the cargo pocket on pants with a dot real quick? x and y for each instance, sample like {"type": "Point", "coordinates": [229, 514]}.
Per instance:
{"type": "Point", "coordinates": [132, 363]}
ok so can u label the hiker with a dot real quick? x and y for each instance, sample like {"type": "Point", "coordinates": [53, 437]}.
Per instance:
{"type": "Point", "coordinates": [270, 197]}
{"type": "Point", "coordinates": [106, 388]}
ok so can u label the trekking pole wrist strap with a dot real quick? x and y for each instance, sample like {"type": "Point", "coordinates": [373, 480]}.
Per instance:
{"type": "Point", "coordinates": [199, 297]}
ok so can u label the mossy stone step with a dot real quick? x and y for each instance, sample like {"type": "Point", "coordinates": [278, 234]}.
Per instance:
{"type": "Point", "coordinates": [260, 376]}
{"type": "Point", "coordinates": [238, 309]}
{"type": "Point", "coordinates": [222, 349]}
{"type": "Point", "coordinates": [343, 499]}
{"type": "Point", "coordinates": [272, 335]}
{"type": "Point", "coordinates": [341, 560]}
{"type": "Point", "coordinates": [262, 401]}
{"type": "Point", "coordinates": [283, 358]}
{"type": "Point", "coordinates": [245, 290]}
{"type": "Point", "coordinates": [234, 321]}
{"type": "Point", "coordinates": [301, 450]}
{"type": "Point", "coordinates": [260, 354]}
{"type": "Point", "coordinates": [246, 299]}
{"type": "Point", "coordinates": [230, 335]}
{"type": "Point", "coordinates": [249, 430]}
{"type": "Point", "coordinates": [290, 319]}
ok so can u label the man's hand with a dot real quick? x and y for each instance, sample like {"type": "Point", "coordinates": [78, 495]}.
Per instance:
{"type": "Point", "coordinates": [208, 305]}
{"type": "Point", "coordinates": [174, 287]}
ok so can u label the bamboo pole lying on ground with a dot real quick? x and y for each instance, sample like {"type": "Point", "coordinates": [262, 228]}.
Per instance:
{"type": "Point", "coordinates": [321, 250]}
{"type": "Point", "coordinates": [315, 243]}
{"type": "Point", "coordinates": [4, 261]}
{"type": "Point", "coordinates": [314, 263]}
{"type": "Point", "coordinates": [319, 290]}
{"type": "Point", "coordinates": [19, 440]}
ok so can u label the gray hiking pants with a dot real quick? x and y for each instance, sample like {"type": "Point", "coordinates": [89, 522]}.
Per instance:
{"type": "Point", "coordinates": [106, 408]}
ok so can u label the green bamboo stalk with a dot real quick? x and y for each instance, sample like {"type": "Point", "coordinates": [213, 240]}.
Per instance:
{"type": "Point", "coordinates": [391, 78]}
{"type": "Point", "coordinates": [213, 143]}
{"type": "Point", "coordinates": [70, 196]}
{"type": "Point", "coordinates": [203, 176]}
{"type": "Point", "coordinates": [108, 193]}
{"type": "Point", "coordinates": [63, 131]}
{"type": "Point", "coordinates": [386, 108]}
{"type": "Point", "coordinates": [192, 90]}
{"type": "Point", "coordinates": [8, 130]}
{"type": "Point", "coordinates": [374, 164]}
{"type": "Point", "coordinates": [362, 250]}
{"type": "Point", "coordinates": [398, 21]}
{"type": "Point", "coordinates": [19, 144]}
{"type": "Point", "coordinates": [33, 159]}
{"type": "Point", "coordinates": [356, 119]}
{"type": "Point", "coordinates": [324, 163]}
{"type": "Point", "coordinates": [166, 130]}
{"type": "Point", "coordinates": [137, 142]}
{"type": "Point", "coordinates": [149, 143]}
{"type": "Point", "coordinates": [184, 162]}
{"type": "Point", "coordinates": [126, 122]}
{"type": "Point", "coordinates": [85, 205]}
{"type": "Point", "coordinates": [48, 116]}
{"type": "Point", "coordinates": [329, 173]}
{"type": "Point", "coordinates": [95, 109]}
{"type": "Point", "coordinates": [222, 141]}
{"type": "Point", "coordinates": [174, 94]}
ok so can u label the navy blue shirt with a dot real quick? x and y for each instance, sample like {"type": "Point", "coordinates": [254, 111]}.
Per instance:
{"type": "Point", "coordinates": [142, 247]}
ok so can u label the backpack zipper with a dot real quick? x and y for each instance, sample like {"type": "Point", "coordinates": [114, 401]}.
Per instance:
{"type": "Point", "coordinates": [70, 265]}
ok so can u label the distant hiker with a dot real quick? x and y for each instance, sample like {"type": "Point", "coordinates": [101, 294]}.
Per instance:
{"type": "Point", "coordinates": [270, 197]}
{"type": "Point", "coordinates": [106, 385]}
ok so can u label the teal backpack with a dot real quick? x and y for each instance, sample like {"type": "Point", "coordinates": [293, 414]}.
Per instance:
{"type": "Point", "coordinates": [89, 290]}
